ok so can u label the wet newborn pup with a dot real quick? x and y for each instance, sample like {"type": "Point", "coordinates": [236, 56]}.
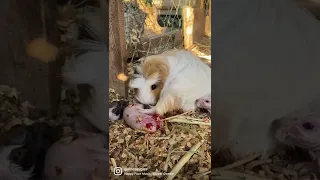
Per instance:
{"type": "Point", "coordinates": [303, 132]}
{"type": "Point", "coordinates": [204, 103]}
{"type": "Point", "coordinates": [78, 157]}
{"type": "Point", "coordinates": [23, 149]}
{"type": "Point", "coordinates": [138, 120]}
{"type": "Point", "coordinates": [116, 109]}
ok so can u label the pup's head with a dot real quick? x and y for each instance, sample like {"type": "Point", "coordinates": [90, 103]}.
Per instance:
{"type": "Point", "coordinates": [149, 80]}
{"type": "Point", "coordinates": [303, 132]}
{"type": "Point", "coordinates": [204, 102]}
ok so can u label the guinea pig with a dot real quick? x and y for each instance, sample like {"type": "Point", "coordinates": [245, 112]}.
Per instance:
{"type": "Point", "coordinates": [170, 81]}
{"type": "Point", "coordinates": [78, 158]}
{"type": "Point", "coordinates": [137, 120]}
{"type": "Point", "coordinates": [204, 102]}
{"type": "Point", "coordinates": [89, 67]}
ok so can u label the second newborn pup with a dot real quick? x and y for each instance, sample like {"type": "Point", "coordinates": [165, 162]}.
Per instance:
{"type": "Point", "coordinates": [204, 103]}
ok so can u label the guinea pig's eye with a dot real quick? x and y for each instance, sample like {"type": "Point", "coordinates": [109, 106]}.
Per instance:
{"type": "Point", "coordinates": [307, 126]}
{"type": "Point", "coordinates": [207, 101]}
{"type": "Point", "coordinates": [153, 87]}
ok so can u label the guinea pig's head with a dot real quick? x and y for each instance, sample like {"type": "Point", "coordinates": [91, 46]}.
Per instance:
{"type": "Point", "coordinates": [303, 132]}
{"type": "Point", "coordinates": [149, 79]}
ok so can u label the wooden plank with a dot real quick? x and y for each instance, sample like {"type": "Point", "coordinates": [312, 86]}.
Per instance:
{"type": "Point", "coordinates": [193, 25]}
{"type": "Point", "coordinates": [207, 31]}
{"type": "Point", "coordinates": [117, 47]}
{"type": "Point", "coordinates": [37, 81]}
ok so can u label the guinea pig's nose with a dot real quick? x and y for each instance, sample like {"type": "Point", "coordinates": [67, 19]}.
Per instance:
{"type": "Point", "coordinates": [197, 100]}
{"type": "Point", "coordinates": [146, 106]}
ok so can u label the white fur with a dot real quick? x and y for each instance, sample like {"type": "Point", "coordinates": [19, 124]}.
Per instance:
{"type": "Point", "coordinates": [113, 116]}
{"type": "Point", "coordinates": [189, 79]}
{"type": "Point", "coordinates": [92, 68]}
{"type": "Point", "coordinates": [144, 95]}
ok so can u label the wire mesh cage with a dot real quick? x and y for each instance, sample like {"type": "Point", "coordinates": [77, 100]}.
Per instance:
{"type": "Point", "coordinates": [154, 26]}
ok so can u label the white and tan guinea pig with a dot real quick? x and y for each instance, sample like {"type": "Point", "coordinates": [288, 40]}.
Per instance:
{"type": "Point", "coordinates": [172, 80]}
{"type": "Point", "coordinates": [90, 67]}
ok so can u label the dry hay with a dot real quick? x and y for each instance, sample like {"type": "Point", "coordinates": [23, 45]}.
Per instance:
{"type": "Point", "coordinates": [14, 111]}
{"type": "Point", "coordinates": [262, 167]}
{"type": "Point", "coordinates": [164, 150]}
{"type": "Point", "coordinates": [161, 151]}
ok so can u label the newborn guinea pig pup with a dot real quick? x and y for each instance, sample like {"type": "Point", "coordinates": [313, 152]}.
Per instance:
{"type": "Point", "coordinates": [204, 102]}
{"type": "Point", "coordinates": [116, 109]}
{"type": "Point", "coordinates": [302, 132]}
{"type": "Point", "coordinates": [79, 157]}
{"type": "Point", "coordinates": [23, 149]}
{"type": "Point", "coordinates": [137, 120]}
{"type": "Point", "coordinates": [169, 81]}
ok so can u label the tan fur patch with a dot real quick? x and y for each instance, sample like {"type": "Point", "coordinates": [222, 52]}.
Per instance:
{"type": "Point", "coordinates": [156, 68]}
{"type": "Point", "coordinates": [168, 105]}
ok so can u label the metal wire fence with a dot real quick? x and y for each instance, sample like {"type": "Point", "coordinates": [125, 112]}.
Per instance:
{"type": "Point", "coordinates": [153, 26]}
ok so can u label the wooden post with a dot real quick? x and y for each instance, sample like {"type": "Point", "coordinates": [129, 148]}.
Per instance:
{"type": "Point", "coordinates": [117, 47]}
{"type": "Point", "coordinates": [193, 25]}
{"type": "Point", "coordinates": [208, 22]}
{"type": "Point", "coordinates": [37, 81]}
